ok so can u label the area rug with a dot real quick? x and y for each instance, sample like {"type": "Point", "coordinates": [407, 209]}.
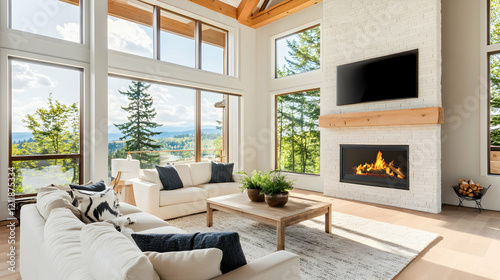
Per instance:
{"type": "Point", "coordinates": [358, 248]}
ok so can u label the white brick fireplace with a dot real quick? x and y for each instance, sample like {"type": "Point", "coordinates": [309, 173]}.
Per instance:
{"type": "Point", "coordinates": [363, 29]}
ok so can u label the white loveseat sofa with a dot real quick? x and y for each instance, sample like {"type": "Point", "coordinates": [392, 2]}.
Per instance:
{"type": "Point", "coordinates": [190, 199]}
{"type": "Point", "coordinates": [51, 249]}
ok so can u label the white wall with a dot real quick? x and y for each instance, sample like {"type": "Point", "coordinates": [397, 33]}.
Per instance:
{"type": "Point", "coordinates": [463, 101]}
{"type": "Point", "coordinates": [263, 144]}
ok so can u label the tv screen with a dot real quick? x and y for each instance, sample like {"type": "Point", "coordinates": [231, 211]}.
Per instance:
{"type": "Point", "coordinates": [383, 78]}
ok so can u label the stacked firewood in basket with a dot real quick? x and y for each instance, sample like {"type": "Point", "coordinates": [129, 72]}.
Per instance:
{"type": "Point", "coordinates": [469, 188]}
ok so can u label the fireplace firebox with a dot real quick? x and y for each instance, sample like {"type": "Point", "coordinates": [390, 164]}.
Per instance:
{"type": "Point", "coordinates": [375, 165]}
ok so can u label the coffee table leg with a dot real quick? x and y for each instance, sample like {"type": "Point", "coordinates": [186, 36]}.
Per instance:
{"type": "Point", "coordinates": [328, 220]}
{"type": "Point", "coordinates": [281, 236]}
{"type": "Point", "coordinates": [210, 215]}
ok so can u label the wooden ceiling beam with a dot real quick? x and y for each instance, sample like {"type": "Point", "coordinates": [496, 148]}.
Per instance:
{"type": "Point", "coordinates": [245, 10]}
{"type": "Point", "coordinates": [218, 6]}
{"type": "Point", "coordinates": [280, 11]}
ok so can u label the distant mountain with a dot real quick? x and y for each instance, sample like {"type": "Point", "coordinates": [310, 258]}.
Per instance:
{"type": "Point", "coordinates": [19, 136]}
{"type": "Point", "coordinates": [115, 136]}
{"type": "Point", "coordinates": [164, 134]}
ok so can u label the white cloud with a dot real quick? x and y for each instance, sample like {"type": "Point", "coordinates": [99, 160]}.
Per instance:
{"type": "Point", "coordinates": [70, 31]}
{"type": "Point", "coordinates": [23, 78]}
{"type": "Point", "coordinates": [23, 107]}
{"type": "Point", "coordinates": [128, 37]}
{"type": "Point", "coordinates": [210, 114]}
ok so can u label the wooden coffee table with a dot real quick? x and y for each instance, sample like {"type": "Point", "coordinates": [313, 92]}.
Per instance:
{"type": "Point", "coordinates": [295, 211]}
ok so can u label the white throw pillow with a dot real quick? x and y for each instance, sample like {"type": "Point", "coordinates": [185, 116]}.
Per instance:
{"type": "Point", "coordinates": [184, 174]}
{"type": "Point", "coordinates": [152, 176]}
{"type": "Point", "coordinates": [50, 198]}
{"type": "Point", "coordinates": [201, 172]}
{"type": "Point", "coordinates": [194, 265]}
{"type": "Point", "coordinates": [109, 255]}
{"type": "Point", "coordinates": [97, 206]}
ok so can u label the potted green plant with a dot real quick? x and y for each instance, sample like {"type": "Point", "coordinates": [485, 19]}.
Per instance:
{"type": "Point", "coordinates": [276, 190]}
{"type": "Point", "coordinates": [253, 184]}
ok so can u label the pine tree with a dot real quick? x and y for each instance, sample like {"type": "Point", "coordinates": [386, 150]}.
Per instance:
{"type": "Point", "coordinates": [138, 131]}
{"type": "Point", "coordinates": [304, 53]}
{"type": "Point", "coordinates": [298, 113]}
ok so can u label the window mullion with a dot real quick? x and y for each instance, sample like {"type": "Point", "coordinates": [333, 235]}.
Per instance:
{"type": "Point", "coordinates": [198, 42]}
{"type": "Point", "coordinates": [156, 32]}
{"type": "Point", "coordinates": [197, 141]}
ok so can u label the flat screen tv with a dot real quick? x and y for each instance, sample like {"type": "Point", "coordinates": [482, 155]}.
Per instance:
{"type": "Point", "coordinates": [383, 78]}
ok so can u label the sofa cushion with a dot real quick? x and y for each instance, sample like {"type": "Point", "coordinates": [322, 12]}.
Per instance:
{"type": "Point", "coordinates": [201, 172]}
{"type": "Point", "coordinates": [169, 177]}
{"type": "Point", "coordinates": [179, 265]}
{"type": "Point", "coordinates": [183, 195]}
{"type": "Point", "coordinates": [126, 208]}
{"type": "Point", "coordinates": [97, 206]}
{"type": "Point", "coordinates": [152, 176]}
{"type": "Point", "coordinates": [93, 187]}
{"type": "Point", "coordinates": [219, 189]}
{"type": "Point", "coordinates": [228, 242]}
{"type": "Point", "coordinates": [62, 244]}
{"type": "Point", "coordinates": [144, 221]}
{"type": "Point", "coordinates": [222, 172]}
{"type": "Point", "coordinates": [185, 174]}
{"type": "Point", "coordinates": [110, 255]}
{"type": "Point", "coordinates": [50, 198]}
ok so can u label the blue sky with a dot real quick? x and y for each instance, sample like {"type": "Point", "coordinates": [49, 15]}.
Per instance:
{"type": "Point", "coordinates": [50, 18]}
{"type": "Point", "coordinates": [32, 83]}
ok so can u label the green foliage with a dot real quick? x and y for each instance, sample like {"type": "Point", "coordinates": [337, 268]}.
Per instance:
{"type": "Point", "coordinates": [138, 131]}
{"type": "Point", "coordinates": [56, 130]}
{"type": "Point", "coordinates": [304, 52]}
{"type": "Point", "coordinates": [298, 132]}
{"type": "Point", "coordinates": [277, 184]}
{"type": "Point", "coordinates": [254, 181]}
{"type": "Point", "coordinates": [298, 135]}
{"type": "Point", "coordinates": [495, 74]}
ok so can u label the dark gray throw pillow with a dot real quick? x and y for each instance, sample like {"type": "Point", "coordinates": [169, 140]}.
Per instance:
{"type": "Point", "coordinates": [169, 177]}
{"type": "Point", "coordinates": [222, 172]}
{"type": "Point", "coordinates": [96, 187]}
{"type": "Point", "coordinates": [227, 242]}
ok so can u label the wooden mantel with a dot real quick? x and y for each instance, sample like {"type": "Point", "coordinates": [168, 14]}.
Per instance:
{"type": "Point", "coordinates": [430, 115]}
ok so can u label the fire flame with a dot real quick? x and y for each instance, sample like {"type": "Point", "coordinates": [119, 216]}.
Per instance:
{"type": "Point", "coordinates": [379, 167]}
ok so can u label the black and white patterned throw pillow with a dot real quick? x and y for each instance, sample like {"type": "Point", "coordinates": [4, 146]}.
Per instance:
{"type": "Point", "coordinates": [97, 206]}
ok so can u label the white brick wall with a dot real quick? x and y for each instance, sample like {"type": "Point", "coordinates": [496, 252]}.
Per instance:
{"type": "Point", "coordinates": [362, 29]}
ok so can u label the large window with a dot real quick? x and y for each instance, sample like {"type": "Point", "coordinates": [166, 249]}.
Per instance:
{"type": "Point", "coordinates": [158, 123]}
{"type": "Point", "coordinates": [130, 27]}
{"type": "Point", "coordinates": [297, 132]}
{"type": "Point", "coordinates": [45, 125]}
{"type": "Point", "coordinates": [494, 87]}
{"type": "Point", "coordinates": [56, 19]}
{"type": "Point", "coordinates": [298, 52]}
{"type": "Point", "coordinates": [177, 39]}
{"type": "Point", "coordinates": [181, 40]}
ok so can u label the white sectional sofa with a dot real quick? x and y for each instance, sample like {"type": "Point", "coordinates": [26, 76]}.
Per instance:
{"type": "Point", "coordinates": [190, 199]}
{"type": "Point", "coordinates": [51, 248]}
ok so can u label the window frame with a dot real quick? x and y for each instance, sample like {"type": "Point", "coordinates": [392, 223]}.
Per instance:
{"type": "Point", "coordinates": [81, 6]}
{"type": "Point", "coordinates": [198, 37]}
{"type": "Point", "coordinates": [80, 156]}
{"type": "Point", "coordinates": [284, 35]}
{"type": "Point", "coordinates": [276, 131]}
{"type": "Point", "coordinates": [198, 112]}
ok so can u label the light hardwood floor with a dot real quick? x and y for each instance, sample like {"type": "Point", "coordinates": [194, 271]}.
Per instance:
{"type": "Point", "coordinates": [468, 246]}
